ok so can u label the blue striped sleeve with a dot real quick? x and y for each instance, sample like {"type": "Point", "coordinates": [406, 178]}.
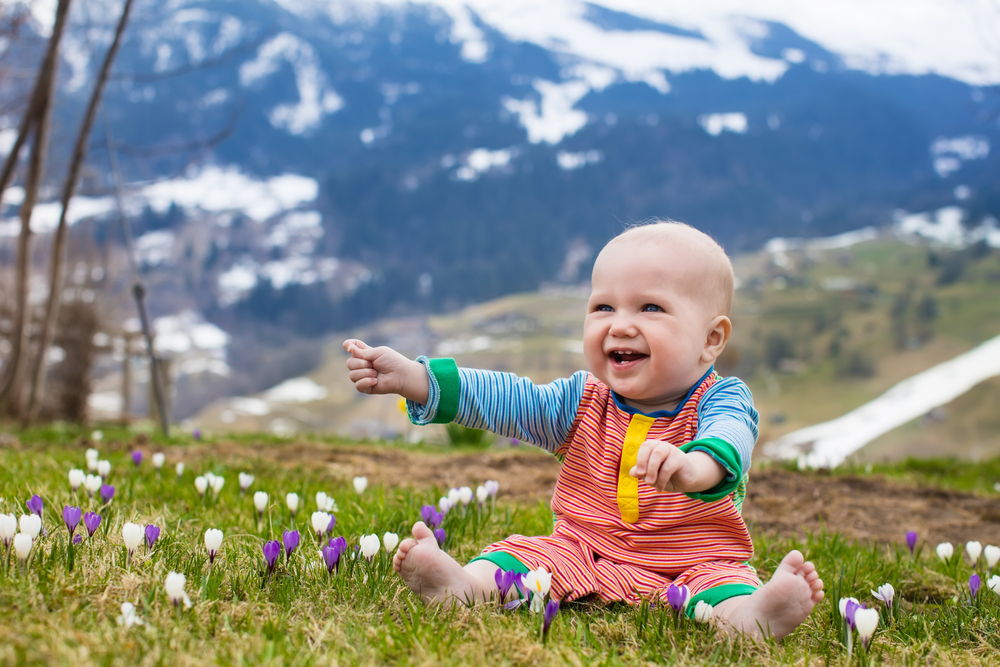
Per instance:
{"type": "Point", "coordinates": [516, 407]}
{"type": "Point", "coordinates": [726, 412]}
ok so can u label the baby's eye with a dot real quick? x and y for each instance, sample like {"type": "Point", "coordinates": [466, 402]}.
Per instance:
{"type": "Point", "coordinates": [605, 308]}
{"type": "Point", "coordinates": [651, 308]}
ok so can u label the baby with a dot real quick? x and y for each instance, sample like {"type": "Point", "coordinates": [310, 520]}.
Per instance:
{"type": "Point", "coordinates": [654, 445]}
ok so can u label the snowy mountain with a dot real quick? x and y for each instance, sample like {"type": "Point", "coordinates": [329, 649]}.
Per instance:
{"type": "Point", "coordinates": [304, 165]}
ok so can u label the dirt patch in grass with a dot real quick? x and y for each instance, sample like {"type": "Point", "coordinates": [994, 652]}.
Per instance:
{"type": "Point", "coordinates": [778, 502]}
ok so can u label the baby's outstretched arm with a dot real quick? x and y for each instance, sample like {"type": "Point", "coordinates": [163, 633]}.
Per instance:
{"type": "Point", "coordinates": [382, 370]}
{"type": "Point", "coordinates": [666, 468]}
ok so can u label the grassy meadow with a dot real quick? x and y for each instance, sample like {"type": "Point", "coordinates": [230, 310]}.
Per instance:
{"type": "Point", "coordinates": [362, 614]}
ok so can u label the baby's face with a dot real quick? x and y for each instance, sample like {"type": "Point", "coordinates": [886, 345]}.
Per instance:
{"type": "Point", "coordinates": [646, 328]}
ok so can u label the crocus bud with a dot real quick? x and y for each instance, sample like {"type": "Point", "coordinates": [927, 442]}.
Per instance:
{"type": "Point", "coordinates": [137, 457]}
{"type": "Point", "coordinates": [678, 597]}
{"type": "Point", "coordinates": [369, 545]}
{"type": "Point", "coordinates": [992, 554]}
{"type": "Point", "coordinates": [321, 499]}
{"type": "Point", "coordinates": [159, 458]}
{"type": "Point", "coordinates": [444, 505]}
{"type": "Point", "coordinates": [152, 534]}
{"type": "Point", "coordinates": [97, 436]}
{"type": "Point", "coordinates": [91, 521]}
{"type": "Point", "coordinates": [482, 494]}
{"type": "Point", "coordinates": [201, 483]}
{"type": "Point", "coordinates": [213, 542]}
{"type": "Point", "coordinates": [260, 501]}
{"type": "Point", "coordinates": [179, 468]}
{"type": "Point", "coordinates": [30, 524]}
{"type": "Point", "coordinates": [217, 482]}
{"type": "Point", "coordinates": [390, 541]}
{"type": "Point", "coordinates": [92, 456]}
{"type": "Point", "coordinates": [71, 515]}
{"type": "Point", "coordinates": [911, 540]}
{"type": "Point", "coordinates": [843, 605]}
{"type": "Point", "coordinates": [974, 549]}
{"type": "Point", "coordinates": [866, 620]}
{"type": "Point", "coordinates": [290, 539]}
{"type": "Point", "coordinates": [246, 481]}
{"type": "Point", "coordinates": [292, 501]}
{"type": "Point", "coordinates": [132, 534]}
{"type": "Point", "coordinates": [320, 520]}
{"type": "Point", "coordinates": [107, 493]}
{"type": "Point", "coordinates": [360, 484]}
{"type": "Point", "coordinates": [945, 550]}
{"type": "Point", "coordinates": [994, 583]}
{"type": "Point", "coordinates": [104, 468]}
{"type": "Point", "coordinates": [8, 527]}
{"type": "Point", "coordinates": [76, 478]}
{"type": "Point", "coordinates": [174, 586]}
{"type": "Point", "coordinates": [453, 496]}
{"type": "Point", "coordinates": [492, 486]}
{"type": "Point", "coordinates": [22, 546]}
{"type": "Point", "coordinates": [465, 495]}
{"type": "Point", "coordinates": [93, 483]}
{"type": "Point", "coordinates": [703, 612]}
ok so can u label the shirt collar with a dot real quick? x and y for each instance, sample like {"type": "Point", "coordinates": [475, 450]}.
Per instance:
{"type": "Point", "coordinates": [661, 413]}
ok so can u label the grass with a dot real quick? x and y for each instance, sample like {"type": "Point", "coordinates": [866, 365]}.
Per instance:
{"type": "Point", "coordinates": [365, 615]}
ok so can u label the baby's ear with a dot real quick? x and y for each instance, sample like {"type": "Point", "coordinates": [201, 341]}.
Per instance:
{"type": "Point", "coordinates": [720, 329]}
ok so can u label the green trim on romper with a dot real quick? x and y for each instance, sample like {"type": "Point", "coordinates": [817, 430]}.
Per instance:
{"type": "Point", "coordinates": [714, 596]}
{"type": "Point", "coordinates": [504, 561]}
{"type": "Point", "coordinates": [445, 371]}
{"type": "Point", "coordinates": [728, 458]}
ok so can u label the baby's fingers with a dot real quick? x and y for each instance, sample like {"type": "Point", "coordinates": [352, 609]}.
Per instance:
{"type": "Point", "coordinates": [353, 363]}
{"type": "Point", "coordinates": [364, 379]}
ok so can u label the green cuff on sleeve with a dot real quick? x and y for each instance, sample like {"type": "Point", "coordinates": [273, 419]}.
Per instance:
{"type": "Point", "coordinates": [446, 373]}
{"type": "Point", "coordinates": [728, 458]}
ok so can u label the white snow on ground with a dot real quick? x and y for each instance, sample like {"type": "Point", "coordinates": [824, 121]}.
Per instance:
{"type": "Point", "coordinates": [481, 160]}
{"type": "Point", "coordinates": [716, 123]}
{"type": "Point", "coordinates": [826, 445]}
{"type": "Point", "coordinates": [195, 346]}
{"type": "Point", "coordinates": [155, 247]}
{"type": "Point", "coordinates": [316, 97]}
{"type": "Point", "coordinates": [949, 154]}
{"type": "Point", "coordinates": [296, 390]}
{"type": "Point", "coordinates": [570, 161]}
{"type": "Point", "coordinates": [239, 279]}
{"type": "Point", "coordinates": [554, 118]}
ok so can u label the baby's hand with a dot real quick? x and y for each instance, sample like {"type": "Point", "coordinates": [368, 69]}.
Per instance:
{"type": "Point", "coordinates": [666, 468]}
{"type": "Point", "coordinates": [382, 370]}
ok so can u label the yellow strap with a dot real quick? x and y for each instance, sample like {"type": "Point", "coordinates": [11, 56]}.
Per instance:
{"type": "Point", "coordinates": [628, 486]}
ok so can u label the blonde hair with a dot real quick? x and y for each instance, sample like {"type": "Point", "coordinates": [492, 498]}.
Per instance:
{"type": "Point", "coordinates": [721, 279]}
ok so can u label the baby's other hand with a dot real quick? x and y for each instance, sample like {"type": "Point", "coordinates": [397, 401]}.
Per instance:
{"type": "Point", "coordinates": [382, 370]}
{"type": "Point", "coordinates": [664, 467]}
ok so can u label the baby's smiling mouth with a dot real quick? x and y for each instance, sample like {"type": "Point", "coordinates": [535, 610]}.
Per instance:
{"type": "Point", "coordinates": [625, 357]}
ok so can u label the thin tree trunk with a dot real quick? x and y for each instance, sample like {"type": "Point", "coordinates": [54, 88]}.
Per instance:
{"type": "Point", "coordinates": [39, 112]}
{"type": "Point", "coordinates": [69, 187]}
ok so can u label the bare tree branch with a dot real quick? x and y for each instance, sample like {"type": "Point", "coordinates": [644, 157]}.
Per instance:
{"type": "Point", "coordinates": [37, 117]}
{"type": "Point", "coordinates": [146, 77]}
{"type": "Point", "coordinates": [69, 187]}
{"type": "Point", "coordinates": [173, 149]}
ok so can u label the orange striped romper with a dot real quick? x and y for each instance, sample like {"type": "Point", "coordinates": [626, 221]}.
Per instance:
{"type": "Point", "coordinates": [614, 537]}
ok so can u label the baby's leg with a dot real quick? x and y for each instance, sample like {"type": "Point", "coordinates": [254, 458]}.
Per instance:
{"type": "Point", "coordinates": [780, 605]}
{"type": "Point", "coordinates": [437, 577]}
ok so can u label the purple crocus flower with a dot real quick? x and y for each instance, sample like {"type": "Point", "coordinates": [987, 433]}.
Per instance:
{"type": "Point", "coordinates": [272, 550]}
{"type": "Point", "coordinates": [107, 492]}
{"type": "Point", "coordinates": [77, 539]}
{"type": "Point", "coordinates": [91, 520]}
{"type": "Point", "coordinates": [440, 535]}
{"type": "Point", "coordinates": [137, 457]}
{"type": "Point", "coordinates": [426, 513]}
{"type": "Point", "coordinates": [974, 584]}
{"type": "Point", "coordinates": [331, 555]}
{"type": "Point", "coordinates": [152, 534]}
{"type": "Point", "coordinates": [196, 434]}
{"type": "Point", "coordinates": [677, 596]}
{"type": "Point", "coordinates": [506, 579]}
{"type": "Point", "coordinates": [35, 505]}
{"type": "Point", "coordinates": [911, 540]}
{"type": "Point", "coordinates": [71, 515]}
{"type": "Point", "coordinates": [849, 609]}
{"type": "Point", "coordinates": [290, 538]}
{"type": "Point", "coordinates": [551, 607]}
{"type": "Point", "coordinates": [329, 526]}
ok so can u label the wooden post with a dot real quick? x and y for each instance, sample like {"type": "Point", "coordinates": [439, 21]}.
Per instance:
{"type": "Point", "coordinates": [127, 380]}
{"type": "Point", "coordinates": [163, 365]}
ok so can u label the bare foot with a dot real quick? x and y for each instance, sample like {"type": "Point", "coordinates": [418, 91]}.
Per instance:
{"type": "Point", "coordinates": [431, 573]}
{"type": "Point", "coordinates": [780, 605]}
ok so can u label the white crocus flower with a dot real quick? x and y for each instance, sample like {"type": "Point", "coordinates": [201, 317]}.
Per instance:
{"type": "Point", "coordinates": [292, 501]}
{"type": "Point", "coordinates": [201, 483]}
{"type": "Point", "coordinates": [390, 541]}
{"type": "Point", "coordinates": [129, 617]}
{"type": "Point", "coordinates": [104, 468]}
{"type": "Point", "coordinates": [994, 583]}
{"type": "Point", "coordinates": [97, 436]}
{"type": "Point", "coordinates": [492, 486]}
{"type": "Point", "coordinates": [866, 620]}
{"type": "Point", "coordinates": [321, 499]}
{"type": "Point", "coordinates": [538, 582]}
{"type": "Point", "coordinates": [453, 496]}
{"type": "Point", "coordinates": [159, 458]}
{"type": "Point", "coordinates": [992, 554]}
{"type": "Point", "coordinates": [885, 593]}
{"type": "Point", "coordinates": [482, 494]}
{"type": "Point", "coordinates": [217, 483]}
{"type": "Point", "coordinates": [179, 468]}
{"type": "Point", "coordinates": [93, 483]}
{"type": "Point", "coordinates": [974, 549]}
{"type": "Point", "coordinates": [132, 534]}
{"type": "Point", "coordinates": [444, 504]}
{"type": "Point", "coordinates": [246, 481]}
{"type": "Point", "coordinates": [260, 501]}
{"type": "Point", "coordinates": [945, 550]}
{"type": "Point", "coordinates": [320, 521]}
{"type": "Point", "coordinates": [465, 495]}
{"type": "Point", "coordinates": [92, 456]}
{"type": "Point", "coordinates": [22, 546]}
{"type": "Point", "coordinates": [76, 478]}
{"type": "Point", "coordinates": [703, 612]}
{"type": "Point", "coordinates": [369, 545]}
{"type": "Point", "coordinates": [31, 525]}
{"type": "Point", "coordinates": [360, 484]}
{"type": "Point", "coordinates": [331, 505]}
{"type": "Point", "coordinates": [8, 527]}
{"type": "Point", "coordinates": [174, 586]}
{"type": "Point", "coordinates": [843, 605]}
{"type": "Point", "coordinates": [213, 542]}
